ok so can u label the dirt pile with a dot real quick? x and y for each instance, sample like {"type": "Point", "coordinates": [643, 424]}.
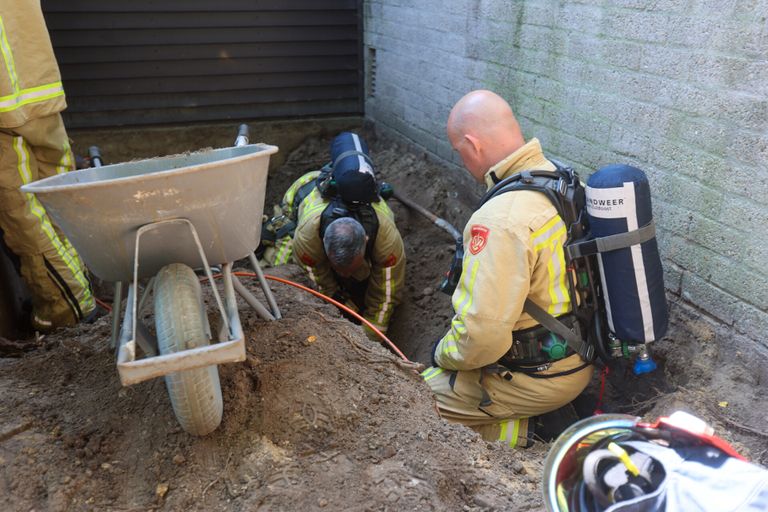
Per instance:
{"type": "Point", "coordinates": [319, 417]}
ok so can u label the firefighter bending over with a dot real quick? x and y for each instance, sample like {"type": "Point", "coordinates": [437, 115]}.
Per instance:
{"type": "Point", "coordinates": [337, 227]}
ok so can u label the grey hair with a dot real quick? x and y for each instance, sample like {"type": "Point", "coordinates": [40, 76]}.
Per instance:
{"type": "Point", "coordinates": [344, 239]}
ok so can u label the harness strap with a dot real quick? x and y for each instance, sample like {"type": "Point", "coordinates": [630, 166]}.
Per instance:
{"type": "Point", "coordinates": [352, 152]}
{"type": "Point", "coordinates": [535, 375]}
{"type": "Point", "coordinates": [611, 242]}
{"type": "Point", "coordinates": [574, 340]}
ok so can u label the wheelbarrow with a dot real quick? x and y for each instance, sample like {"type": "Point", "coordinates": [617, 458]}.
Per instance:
{"type": "Point", "coordinates": [156, 220]}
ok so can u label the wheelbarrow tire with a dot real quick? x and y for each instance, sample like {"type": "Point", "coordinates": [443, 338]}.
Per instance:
{"type": "Point", "coordinates": [181, 325]}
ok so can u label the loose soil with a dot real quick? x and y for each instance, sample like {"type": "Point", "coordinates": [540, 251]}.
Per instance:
{"type": "Point", "coordinates": [318, 417]}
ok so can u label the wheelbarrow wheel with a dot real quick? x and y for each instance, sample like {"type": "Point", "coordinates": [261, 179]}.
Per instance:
{"type": "Point", "coordinates": [181, 325]}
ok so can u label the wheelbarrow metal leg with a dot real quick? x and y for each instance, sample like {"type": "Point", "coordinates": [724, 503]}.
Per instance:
{"type": "Point", "coordinates": [265, 287]}
{"type": "Point", "coordinates": [251, 300]}
{"type": "Point", "coordinates": [116, 305]}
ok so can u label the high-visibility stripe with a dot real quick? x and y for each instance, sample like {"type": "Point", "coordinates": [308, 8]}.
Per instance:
{"type": "Point", "coordinates": [461, 306]}
{"type": "Point", "coordinates": [65, 163]}
{"type": "Point", "coordinates": [389, 290]}
{"type": "Point", "coordinates": [314, 202]}
{"type": "Point", "coordinates": [26, 96]}
{"type": "Point", "coordinates": [515, 433]}
{"type": "Point", "coordinates": [431, 373]}
{"type": "Point", "coordinates": [311, 274]}
{"type": "Point", "coordinates": [552, 236]}
{"type": "Point", "coordinates": [67, 256]}
{"type": "Point", "coordinates": [10, 66]}
{"type": "Point", "coordinates": [507, 435]}
{"type": "Point", "coordinates": [284, 254]}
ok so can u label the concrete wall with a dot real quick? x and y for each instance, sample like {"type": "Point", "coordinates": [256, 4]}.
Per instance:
{"type": "Point", "coordinates": [678, 88]}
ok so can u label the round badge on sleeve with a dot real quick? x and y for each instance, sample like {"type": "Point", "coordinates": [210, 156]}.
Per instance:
{"type": "Point", "coordinates": [479, 238]}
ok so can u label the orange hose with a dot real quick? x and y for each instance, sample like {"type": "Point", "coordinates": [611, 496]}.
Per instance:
{"type": "Point", "coordinates": [329, 300]}
{"type": "Point", "coordinates": [104, 305]}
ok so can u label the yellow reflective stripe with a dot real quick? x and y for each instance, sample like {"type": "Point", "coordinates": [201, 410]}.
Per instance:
{"type": "Point", "coordinates": [5, 48]}
{"type": "Point", "coordinates": [284, 254]}
{"type": "Point", "coordinates": [449, 346]}
{"type": "Point", "coordinates": [544, 233]}
{"type": "Point", "coordinates": [314, 203]}
{"type": "Point", "coordinates": [515, 433]}
{"type": "Point", "coordinates": [552, 236]}
{"type": "Point", "coordinates": [26, 96]}
{"type": "Point", "coordinates": [507, 436]}
{"type": "Point", "coordinates": [65, 164]}
{"type": "Point", "coordinates": [311, 274]}
{"type": "Point", "coordinates": [431, 373]}
{"type": "Point", "coordinates": [503, 434]}
{"type": "Point", "coordinates": [67, 256]}
{"type": "Point", "coordinates": [290, 194]}
{"type": "Point", "coordinates": [458, 328]}
{"type": "Point", "coordinates": [389, 291]}
{"type": "Point", "coordinates": [470, 287]}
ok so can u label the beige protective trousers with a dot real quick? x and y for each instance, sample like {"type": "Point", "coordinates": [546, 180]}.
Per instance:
{"type": "Point", "coordinates": [514, 398]}
{"type": "Point", "coordinates": [50, 266]}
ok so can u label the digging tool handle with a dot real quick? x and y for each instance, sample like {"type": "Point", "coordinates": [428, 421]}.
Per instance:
{"type": "Point", "coordinates": [441, 223]}
{"type": "Point", "coordinates": [242, 136]}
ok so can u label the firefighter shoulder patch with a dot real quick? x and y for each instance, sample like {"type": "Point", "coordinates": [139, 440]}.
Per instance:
{"type": "Point", "coordinates": [390, 261]}
{"type": "Point", "coordinates": [478, 238]}
{"type": "Point", "coordinates": [307, 260]}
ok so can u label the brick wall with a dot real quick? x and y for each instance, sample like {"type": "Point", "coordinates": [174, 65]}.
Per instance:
{"type": "Point", "coordinates": [678, 88]}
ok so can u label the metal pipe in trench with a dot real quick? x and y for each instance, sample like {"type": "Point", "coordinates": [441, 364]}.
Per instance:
{"type": "Point", "coordinates": [437, 221]}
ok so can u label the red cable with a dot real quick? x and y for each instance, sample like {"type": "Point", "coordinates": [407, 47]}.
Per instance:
{"type": "Point", "coordinates": [598, 406]}
{"type": "Point", "coordinates": [104, 305]}
{"type": "Point", "coordinates": [330, 300]}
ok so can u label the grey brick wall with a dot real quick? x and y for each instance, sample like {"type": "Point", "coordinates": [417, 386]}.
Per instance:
{"type": "Point", "coordinates": [678, 88]}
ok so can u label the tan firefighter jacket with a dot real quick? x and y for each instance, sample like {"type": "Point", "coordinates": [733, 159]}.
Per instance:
{"type": "Point", "coordinates": [30, 84]}
{"type": "Point", "coordinates": [384, 269]}
{"type": "Point", "coordinates": [513, 249]}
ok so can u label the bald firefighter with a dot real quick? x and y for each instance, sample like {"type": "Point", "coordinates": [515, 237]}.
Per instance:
{"type": "Point", "coordinates": [345, 235]}
{"type": "Point", "coordinates": [513, 251]}
{"type": "Point", "coordinates": [34, 145]}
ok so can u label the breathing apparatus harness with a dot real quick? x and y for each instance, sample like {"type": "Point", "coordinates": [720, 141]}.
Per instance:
{"type": "Point", "coordinates": [584, 330]}
{"type": "Point", "coordinates": [338, 206]}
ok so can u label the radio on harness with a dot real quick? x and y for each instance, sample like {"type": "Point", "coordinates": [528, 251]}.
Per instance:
{"type": "Point", "coordinates": [615, 279]}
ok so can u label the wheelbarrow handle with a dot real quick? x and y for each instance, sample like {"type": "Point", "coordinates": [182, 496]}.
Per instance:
{"type": "Point", "coordinates": [242, 136]}
{"type": "Point", "coordinates": [95, 155]}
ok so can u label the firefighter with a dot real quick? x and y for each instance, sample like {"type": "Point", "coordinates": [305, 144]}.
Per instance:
{"type": "Point", "coordinates": [345, 235]}
{"type": "Point", "coordinates": [513, 250]}
{"type": "Point", "coordinates": [34, 145]}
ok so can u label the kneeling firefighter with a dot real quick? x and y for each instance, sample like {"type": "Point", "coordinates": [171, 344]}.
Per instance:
{"type": "Point", "coordinates": [338, 228]}
{"type": "Point", "coordinates": [528, 311]}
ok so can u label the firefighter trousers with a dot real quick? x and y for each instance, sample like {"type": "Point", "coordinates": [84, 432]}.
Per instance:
{"type": "Point", "coordinates": [511, 398]}
{"type": "Point", "coordinates": [50, 266]}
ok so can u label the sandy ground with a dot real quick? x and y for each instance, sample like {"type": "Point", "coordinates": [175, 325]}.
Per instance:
{"type": "Point", "coordinates": [319, 417]}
